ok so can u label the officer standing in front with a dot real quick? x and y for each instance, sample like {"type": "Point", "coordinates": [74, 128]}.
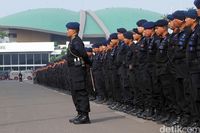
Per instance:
{"type": "Point", "coordinates": [77, 60]}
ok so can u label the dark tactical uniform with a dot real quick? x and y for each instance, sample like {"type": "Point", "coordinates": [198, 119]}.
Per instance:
{"type": "Point", "coordinates": [107, 76]}
{"type": "Point", "coordinates": [165, 81]}
{"type": "Point", "coordinates": [114, 76]}
{"type": "Point", "coordinates": [134, 76]}
{"type": "Point", "coordinates": [132, 66]}
{"type": "Point", "coordinates": [193, 61]}
{"type": "Point", "coordinates": [181, 73]}
{"type": "Point", "coordinates": [77, 73]}
{"type": "Point", "coordinates": [142, 78]}
{"type": "Point", "coordinates": [98, 76]}
{"type": "Point", "coordinates": [120, 60]}
{"type": "Point", "coordinates": [152, 89]}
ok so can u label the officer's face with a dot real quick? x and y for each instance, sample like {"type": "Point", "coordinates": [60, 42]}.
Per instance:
{"type": "Point", "coordinates": [89, 54]}
{"type": "Point", "coordinates": [114, 41]}
{"type": "Point", "coordinates": [70, 32]}
{"type": "Point", "coordinates": [177, 23]}
{"type": "Point", "coordinates": [120, 36]}
{"type": "Point", "coordinates": [140, 29]}
{"type": "Point", "coordinates": [189, 22]}
{"type": "Point", "coordinates": [136, 36]}
{"type": "Point", "coordinates": [171, 25]}
{"type": "Point", "coordinates": [159, 30]}
{"type": "Point", "coordinates": [95, 50]}
{"type": "Point", "coordinates": [126, 41]}
{"type": "Point", "coordinates": [148, 32]}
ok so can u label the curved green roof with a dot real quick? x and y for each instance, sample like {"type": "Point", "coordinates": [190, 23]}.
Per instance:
{"type": "Point", "coordinates": [115, 18]}
{"type": "Point", "coordinates": [54, 20]}
{"type": "Point", "coordinates": [41, 19]}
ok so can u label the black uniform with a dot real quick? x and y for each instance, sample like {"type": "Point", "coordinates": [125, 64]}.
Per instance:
{"type": "Point", "coordinates": [114, 76]}
{"type": "Point", "coordinates": [142, 74]}
{"type": "Point", "coordinates": [152, 88]}
{"type": "Point", "coordinates": [132, 66]}
{"type": "Point", "coordinates": [77, 73]}
{"type": "Point", "coordinates": [122, 71]}
{"type": "Point", "coordinates": [181, 73]}
{"type": "Point", "coordinates": [98, 76]}
{"type": "Point", "coordinates": [165, 81]}
{"type": "Point", "coordinates": [193, 60]}
{"type": "Point", "coordinates": [107, 76]}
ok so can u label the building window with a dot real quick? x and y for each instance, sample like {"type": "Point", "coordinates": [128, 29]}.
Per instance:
{"type": "Point", "coordinates": [37, 58]}
{"type": "Point", "coordinates": [29, 58]}
{"type": "Point", "coordinates": [14, 59]}
{"type": "Point", "coordinates": [22, 68]}
{"type": "Point", "coordinates": [6, 59]}
{"type": "Point", "coordinates": [29, 68]}
{"type": "Point", "coordinates": [15, 68]}
{"type": "Point", "coordinates": [45, 58]}
{"type": "Point", "coordinates": [22, 59]}
{"type": "Point", "coordinates": [1, 59]}
{"type": "Point", "coordinates": [1, 68]}
{"type": "Point", "coordinates": [7, 68]}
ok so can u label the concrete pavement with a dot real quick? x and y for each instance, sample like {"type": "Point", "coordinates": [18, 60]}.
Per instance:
{"type": "Point", "coordinates": [30, 108]}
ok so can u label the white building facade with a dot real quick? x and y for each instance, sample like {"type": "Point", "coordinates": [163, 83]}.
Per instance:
{"type": "Point", "coordinates": [24, 56]}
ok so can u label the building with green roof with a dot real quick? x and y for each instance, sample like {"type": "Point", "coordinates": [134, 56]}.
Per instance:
{"type": "Point", "coordinates": [42, 25]}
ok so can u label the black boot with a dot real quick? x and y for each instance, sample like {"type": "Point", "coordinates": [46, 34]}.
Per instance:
{"type": "Point", "coordinates": [150, 113]}
{"type": "Point", "coordinates": [83, 119]}
{"type": "Point", "coordinates": [72, 120]}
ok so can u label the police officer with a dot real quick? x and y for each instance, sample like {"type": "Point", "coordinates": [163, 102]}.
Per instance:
{"type": "Point", "coordinates": [193, 62]}
{"type": "Point", "coordinates": [89, 81]}
{"type": "Point", "coordinates": [113, 68]}
{"type": "Point", "coordinates": [181, 68]}
{"type": "Point", "coordinates": [142, 71]}
{"type": "Point", "coordinates": [133, 71]}
{"type": "Point", "coordinates": [120, 58]}
{"type": "Point", "coordinates": [130, 72]}
{"type": "Point", "coordinates": [164, 77]}
{"type": "Point", "coordinates": [77, 60]}
{"type": "Point", "coordinates": [149, 75]}
{"type": "Point", "coordinates": [106, 74]}
{"type": "Point", "coordinates": [97, 72]}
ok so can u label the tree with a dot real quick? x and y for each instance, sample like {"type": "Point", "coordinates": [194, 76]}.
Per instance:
{"type": "Point", "coordinates": [3, 34]}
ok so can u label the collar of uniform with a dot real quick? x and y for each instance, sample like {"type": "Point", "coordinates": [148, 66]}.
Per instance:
{"type": "Point", "coordinates": [73, 37]}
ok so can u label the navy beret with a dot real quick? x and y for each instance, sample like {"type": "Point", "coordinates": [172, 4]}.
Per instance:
{"type": "Point", "coordinates": [113, 36]}
{"type": "Point", "coordinates": [197, 4]}
{"type": "Point", "coordinates": [96, 45]}
{"type": "Point", "coordinates": [179, 15]}
{"type": "Point", "coordinates": [170, 17]}
{"type": "Point", "coordinates": [161, 22]}
{"type": "Point", "coordinates": [121, 30]}
{"type": "Point", "coordinates": [128, 35]}
{"type": "Point", "coordinates": [141, 22]}
{"type": "Point", "coordinates": [149, 25]}
{"type": "Point", "coordinates": [88, 49]}
{"type": "Point", "coordinates": [73, 25]}
{"type": "Point", "coordinates": [104, 43]}
{"type": "Point", "coordinates": [192, 13]}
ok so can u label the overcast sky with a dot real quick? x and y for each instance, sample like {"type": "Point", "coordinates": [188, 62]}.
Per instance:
{"type": "Point", "coordinates": [161, 6]}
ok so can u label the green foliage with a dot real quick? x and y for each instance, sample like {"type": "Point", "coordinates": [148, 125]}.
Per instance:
{"type": "Point", "coordinates": [3, 34]}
